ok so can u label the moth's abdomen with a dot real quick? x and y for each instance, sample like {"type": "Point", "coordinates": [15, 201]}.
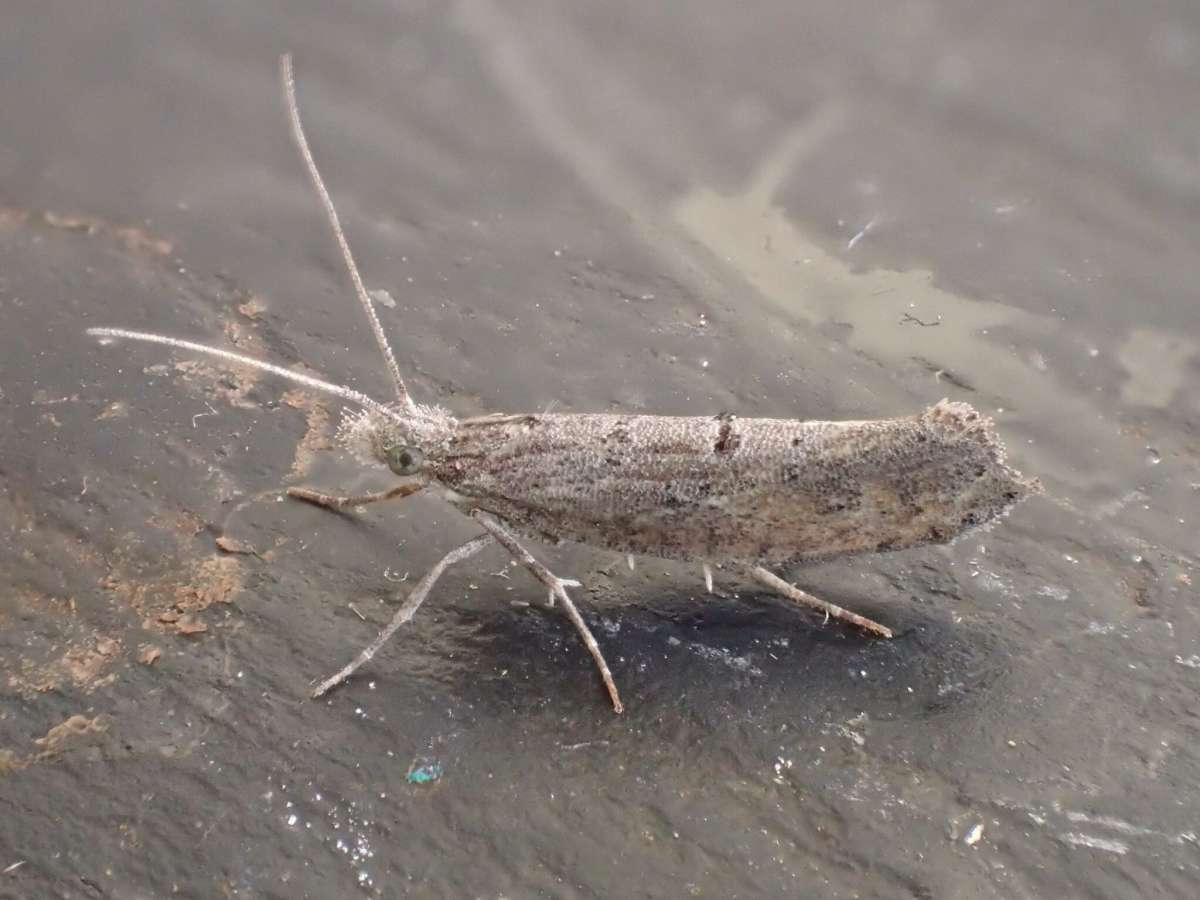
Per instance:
{"type": "Point", "coordinates": [723, 488]}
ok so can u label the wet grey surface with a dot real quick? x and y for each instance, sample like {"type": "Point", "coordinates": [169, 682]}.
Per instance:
{"type": "Point", "coordinates": [597, 207]}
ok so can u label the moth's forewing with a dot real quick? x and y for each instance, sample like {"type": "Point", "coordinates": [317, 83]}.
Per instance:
{"type": "Point", "coordinates": [722, 488]}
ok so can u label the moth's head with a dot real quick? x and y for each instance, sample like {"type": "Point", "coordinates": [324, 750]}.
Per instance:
{"type": "Point", "coordinates": [404, 440]}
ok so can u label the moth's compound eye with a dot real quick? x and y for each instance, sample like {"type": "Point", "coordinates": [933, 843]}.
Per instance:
{"type": "Point", "coordinates": [404, 460]}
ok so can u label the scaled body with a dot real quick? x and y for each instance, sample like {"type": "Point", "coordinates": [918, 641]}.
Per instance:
{"type": "Point", "coordinates": [729, 489]}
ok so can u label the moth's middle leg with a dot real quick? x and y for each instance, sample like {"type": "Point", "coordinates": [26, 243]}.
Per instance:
{"type": "Point", "coordinates": [558, 590]}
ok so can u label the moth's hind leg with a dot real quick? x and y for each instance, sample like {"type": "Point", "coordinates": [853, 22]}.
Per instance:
{"type": "Point", "coordinates": [339, 501]}
{"type": "Point", "coordinates": [773, 581]}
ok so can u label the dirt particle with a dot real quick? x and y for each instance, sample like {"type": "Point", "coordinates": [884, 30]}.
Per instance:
{"type": "Point", "coordinates": [118, 409]}
{"type": "Point", "coordinates": [57, 737]}
{"type": "Point", "coordinates": [231, 545]}
{"type": "Point", "coordinates": [252, 308]}
{"type": "Point", "coordinates": [214, 580]}
{"type": "Point", "coordinates": [316, 435]}
{"type": "Point", "coordinates": [148, 654]}
{"type": "Point", "coordinates": [189, 625]}
{"type": "Point", "coordinates": [9, 761]}
{"type": "Point", "coordinates": [133, 238]}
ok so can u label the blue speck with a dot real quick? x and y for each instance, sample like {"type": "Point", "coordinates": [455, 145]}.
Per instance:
{"type": "Point", "coordinates": [424, 774]}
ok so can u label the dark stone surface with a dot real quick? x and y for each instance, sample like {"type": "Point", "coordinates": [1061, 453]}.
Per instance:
{"type": "Point", "coordinates": [604, 208]}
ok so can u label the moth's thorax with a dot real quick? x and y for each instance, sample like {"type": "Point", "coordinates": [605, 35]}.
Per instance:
{"type": "Point", "coordinates": [370, 433]}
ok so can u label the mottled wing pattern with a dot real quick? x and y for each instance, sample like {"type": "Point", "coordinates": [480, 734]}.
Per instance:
{"type": "Point", "coordinates": [724, 488]}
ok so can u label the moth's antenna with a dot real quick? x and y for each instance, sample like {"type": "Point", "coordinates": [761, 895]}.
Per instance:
{"type": "Point", "coordinates": [307, 380]}
{"type": "Point", "coordinates": [289, 93]}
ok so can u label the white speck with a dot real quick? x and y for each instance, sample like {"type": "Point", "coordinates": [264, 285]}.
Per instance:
{"type": "Point", "coordinates": [858, 237]}
{"type": "Point", "coordinates": [1192, 662]}
{"type": "Point", "coordinates": [383, 298]}
{"type": "Point", "coordinates": [292, 820]}
{"type": "Point", "coordinates": [720, 654]}
{"type": "Point", "coordinates": [973, 836]}
{"type": "Point", "coordinates": [1075, 839]}
{"type": "Point", "coordinates": [1054, 592]}
{"type": "Point", "coordinates": [704, 363]}
{"type": "Point", "coordinates": [1108, 822]}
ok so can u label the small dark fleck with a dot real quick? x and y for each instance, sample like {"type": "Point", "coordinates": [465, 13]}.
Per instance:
{"type": "Point", "coordinates": [727, 439]}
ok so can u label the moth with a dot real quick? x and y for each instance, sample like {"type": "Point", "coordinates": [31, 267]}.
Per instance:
{"type": "Point", "coordinates": [744, 494]}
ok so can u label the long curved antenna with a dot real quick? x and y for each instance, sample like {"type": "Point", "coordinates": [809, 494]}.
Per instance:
{"type": "Point", "coordinates": [289, 93]}
{"type": "Point", "coordinates": [307, 380]}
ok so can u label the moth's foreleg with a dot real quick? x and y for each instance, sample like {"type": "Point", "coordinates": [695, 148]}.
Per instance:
{"type": "Point", "coordinates": [339, 502]}
{"type": "Point", "coordinates": [773, 581]}
{"type": "Point", "coordinates": [558, 589]}
{"type": "Point", "coordinates": [406, 611]}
